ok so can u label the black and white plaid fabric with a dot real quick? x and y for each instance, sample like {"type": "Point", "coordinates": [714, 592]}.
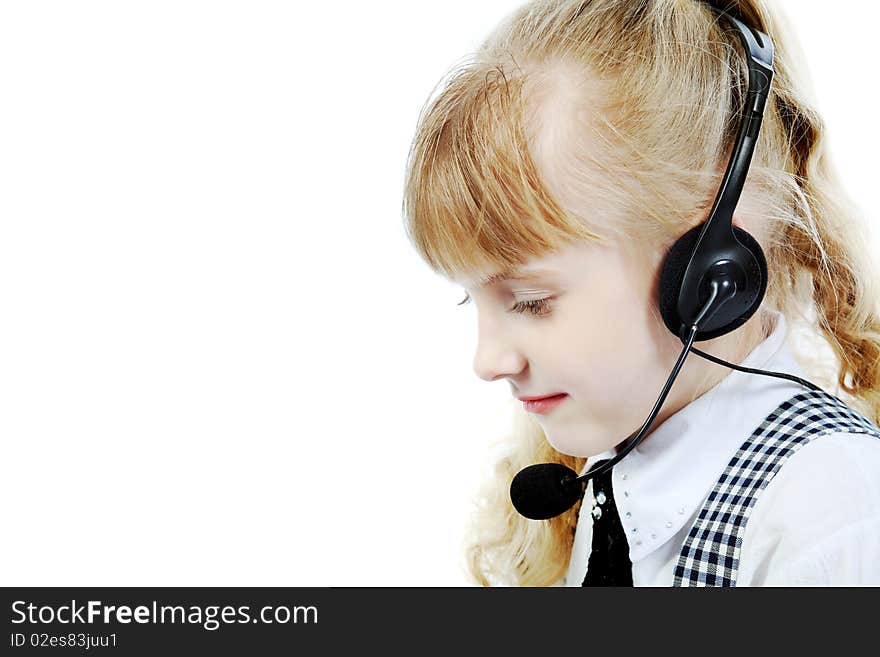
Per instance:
{"type": "Point", "coordinates": [710, 553]}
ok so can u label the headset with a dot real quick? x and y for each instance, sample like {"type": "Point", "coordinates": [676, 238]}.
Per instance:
{"type": "Point", "coordinates": [713, 280]}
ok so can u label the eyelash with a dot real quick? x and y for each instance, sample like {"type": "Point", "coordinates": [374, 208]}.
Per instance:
{"type": "Point", "coordinates": [538, 307]}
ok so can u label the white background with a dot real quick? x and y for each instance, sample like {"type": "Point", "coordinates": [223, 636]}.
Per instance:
{"type": "Point", "coordinates": [221, 362]}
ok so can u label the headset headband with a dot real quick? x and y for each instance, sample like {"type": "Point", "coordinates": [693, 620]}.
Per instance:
{"type": "Point", "coordinates": [759, 51]}
{"type": "Point", "coordinates": [717, 232]}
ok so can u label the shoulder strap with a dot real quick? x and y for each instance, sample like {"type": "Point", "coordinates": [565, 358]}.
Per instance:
{"type": "Point", "coordinates": [710, 553]}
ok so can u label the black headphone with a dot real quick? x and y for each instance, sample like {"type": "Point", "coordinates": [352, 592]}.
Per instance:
{"type": "Point", "coordinates": [713, 280]}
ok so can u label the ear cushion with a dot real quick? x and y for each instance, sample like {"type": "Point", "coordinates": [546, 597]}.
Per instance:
{"type": "Point", "coordinates": [672, 275]}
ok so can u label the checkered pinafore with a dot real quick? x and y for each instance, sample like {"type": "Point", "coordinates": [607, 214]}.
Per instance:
{"type": "Point", "coordinates": [710, 553]}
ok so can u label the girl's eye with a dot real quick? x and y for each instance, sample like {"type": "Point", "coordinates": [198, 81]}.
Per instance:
{"type": "Point", "coordinates": [538, 307]}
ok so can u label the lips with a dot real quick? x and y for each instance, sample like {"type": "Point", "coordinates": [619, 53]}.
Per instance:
{"type": "Point", "coordinates": [544, 405]}
{"type": "Point", "coordinates": [550, 396]}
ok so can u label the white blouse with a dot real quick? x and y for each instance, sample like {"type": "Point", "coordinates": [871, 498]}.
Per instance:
{"type": "Point", "coordinates": [817, 523]}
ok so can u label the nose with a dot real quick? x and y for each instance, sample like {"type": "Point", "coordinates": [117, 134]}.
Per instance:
{"type": "Point", "coordinates": [497, 356]}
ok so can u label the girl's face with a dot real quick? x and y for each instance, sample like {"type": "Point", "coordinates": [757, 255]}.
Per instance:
{"type": "Point", "coordinates": [590, 329]}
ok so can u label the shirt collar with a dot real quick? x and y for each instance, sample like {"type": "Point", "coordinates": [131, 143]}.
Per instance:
{"type": "Point", "coordinates": [660, 484]}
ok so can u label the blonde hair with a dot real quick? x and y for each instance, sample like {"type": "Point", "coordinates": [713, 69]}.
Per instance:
{"type": "Point", "coordinates": [629, 108]}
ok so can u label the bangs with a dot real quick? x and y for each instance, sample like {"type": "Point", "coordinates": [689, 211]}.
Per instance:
{"type": "Point", "coordinates": [474, 200]}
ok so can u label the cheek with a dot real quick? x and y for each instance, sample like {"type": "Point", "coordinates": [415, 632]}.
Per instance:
{"type": "Point", "coordinates": [600, 355]}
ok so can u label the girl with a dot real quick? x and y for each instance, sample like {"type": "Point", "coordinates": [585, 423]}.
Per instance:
{"type": "Point", "coordinates": [549, 178]}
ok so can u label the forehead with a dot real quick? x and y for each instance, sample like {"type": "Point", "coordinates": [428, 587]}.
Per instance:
{"type": "Point", "coordinates": [573, 262]}
{"type": "Point", "coordinates": [564, 259]}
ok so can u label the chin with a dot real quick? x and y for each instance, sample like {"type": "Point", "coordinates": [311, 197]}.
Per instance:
{"type": "Point", "coordinates": [571, 445]}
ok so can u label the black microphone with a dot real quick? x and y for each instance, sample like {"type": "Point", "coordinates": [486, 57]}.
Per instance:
{"type": "Point", "coordinates": [545, 490]}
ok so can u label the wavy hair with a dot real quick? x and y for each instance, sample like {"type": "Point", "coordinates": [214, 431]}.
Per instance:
{"type": "Point", "coordinates": [630, 108]}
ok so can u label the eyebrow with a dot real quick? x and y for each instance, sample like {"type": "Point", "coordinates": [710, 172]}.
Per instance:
{"type": "Point", "coordinates": [514, 275]}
